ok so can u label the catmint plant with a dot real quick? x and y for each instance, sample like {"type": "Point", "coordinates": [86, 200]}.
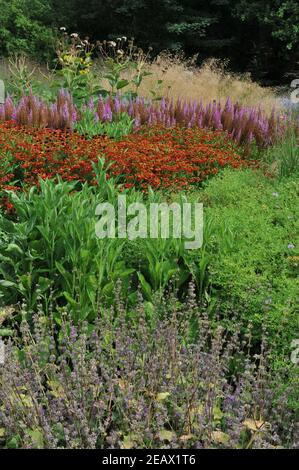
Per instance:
{"type": "Point", "coordinates": [130, 382]}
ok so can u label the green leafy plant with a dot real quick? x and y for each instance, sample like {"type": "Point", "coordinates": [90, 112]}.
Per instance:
{"type": "Point", "coordinates": [52, 249]}
{"type": "Point", "coordinates": [25, 77]}
{"type": "Point", "coordinates": [121, 125]}
{"type": "Point", "coordinates": [75, 67]}
{"type": "Point", "coordinates": [284, 158]}
{"type": "Point", "coordinates": [124, 65]}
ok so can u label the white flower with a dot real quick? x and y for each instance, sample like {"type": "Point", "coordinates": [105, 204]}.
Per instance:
{"type": "Point", "coordinates": [112, 43]}
{"type": "Point", "coordinates": [74, 35]}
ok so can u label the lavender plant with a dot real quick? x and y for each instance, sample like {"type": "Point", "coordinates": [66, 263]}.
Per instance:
{"type": "Point", "coordinates": [131, 383]}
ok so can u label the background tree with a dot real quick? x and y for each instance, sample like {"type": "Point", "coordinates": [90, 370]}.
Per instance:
{"type": "Point", "coordinates": [26, 26]}
{"type": "Point", "coordinates": [260, 36]}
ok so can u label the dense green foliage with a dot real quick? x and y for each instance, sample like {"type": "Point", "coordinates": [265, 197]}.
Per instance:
{"type": "Point", "coordinates": [261, 36]}
{"type": "Point", "coordinates": [27, 27]}
{"type": "Point", "coordinates": [248, 262]}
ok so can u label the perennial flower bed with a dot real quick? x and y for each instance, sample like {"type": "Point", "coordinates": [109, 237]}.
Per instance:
{"type": "Point", "coordinates": [156, 157]}
{"type": "Point", "coordinates": [246, 125]}
{"type": "Point", "coordinates": [113, 336]}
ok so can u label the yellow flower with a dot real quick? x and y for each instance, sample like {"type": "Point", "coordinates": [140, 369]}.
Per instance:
{"type": "Point", "coordinates": [68, 58]}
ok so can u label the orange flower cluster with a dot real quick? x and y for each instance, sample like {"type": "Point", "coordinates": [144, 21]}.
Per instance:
{"type": "Point", "coordinates": [172, 158]}
{"type": "Point", "coordinates": [158, 157]}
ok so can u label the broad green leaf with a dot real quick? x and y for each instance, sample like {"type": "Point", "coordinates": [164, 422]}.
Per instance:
{"type": "Point", "coordinates": [70, 299]}
{"type": "Point", "coordinates": [4, 283]}
{"type": "Point", "coordinates": [122, 84]}
{"type": "Point", "coordinates": [166, 435]}
{"type": "Point", "coordinates": [6, 332]}
{"type": "Point", "coordinates": [37, 438]}
{"type": "Point", "coordinates": [220, 437]}
{"type": "Point", "coordinates": [162, 396]}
